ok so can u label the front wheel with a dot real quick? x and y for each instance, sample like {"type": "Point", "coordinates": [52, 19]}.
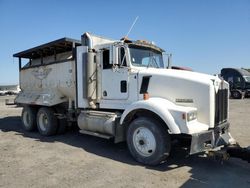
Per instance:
{"type": "Point", "coordinates": [148, 141]}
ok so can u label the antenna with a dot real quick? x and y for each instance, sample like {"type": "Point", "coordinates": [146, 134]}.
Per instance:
{"type": "Point", "coordinates": [127, 36]}
{"type": "Point", "coordinates": [131, 27]}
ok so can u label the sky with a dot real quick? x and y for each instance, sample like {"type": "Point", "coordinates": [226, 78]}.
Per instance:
{"type": "Point", "coordinates": [205, 35]}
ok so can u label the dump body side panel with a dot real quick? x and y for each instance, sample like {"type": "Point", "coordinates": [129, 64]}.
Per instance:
{"type": "Point", "coordinates": [48, 84]}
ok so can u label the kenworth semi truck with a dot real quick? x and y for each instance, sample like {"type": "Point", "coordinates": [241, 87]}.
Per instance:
{"type": "Point", "coordinates": [122, 90]}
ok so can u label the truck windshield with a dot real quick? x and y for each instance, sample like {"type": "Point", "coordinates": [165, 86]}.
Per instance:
{"type": "Point", "coordinates": [247, 78]}
{"type": "Point", "coordinates": [146, 57]}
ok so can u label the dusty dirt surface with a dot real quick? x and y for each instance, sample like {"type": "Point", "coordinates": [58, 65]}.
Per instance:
{"type": "Point", "coordinates": [76, 160]}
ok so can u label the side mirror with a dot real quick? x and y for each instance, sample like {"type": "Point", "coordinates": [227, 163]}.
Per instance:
{"type": "Point", "coordinates": [167, 58]}
{"type": "Point", "coordinates": [114, 55]}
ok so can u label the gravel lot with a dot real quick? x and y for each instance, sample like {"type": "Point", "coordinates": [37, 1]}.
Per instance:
{"type": "Point", "coordinates": [76, 160]}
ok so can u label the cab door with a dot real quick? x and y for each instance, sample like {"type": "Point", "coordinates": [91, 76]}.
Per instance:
{"type": "Point", "coordinates": [115, 74]}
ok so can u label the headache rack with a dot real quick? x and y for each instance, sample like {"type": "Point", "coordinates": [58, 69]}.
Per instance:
{"type": "Point", "coordinates": [46, 50]}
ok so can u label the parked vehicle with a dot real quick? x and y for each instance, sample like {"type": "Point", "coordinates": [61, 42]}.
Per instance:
{"type": "Point", "coordinates": [239, 81]}
{"type": "Point", "coordinates": [2, 93]}
{"type": "Point", "coordinates": [120, 89]}
{"type": "Point", "coordinates": [9, 90]}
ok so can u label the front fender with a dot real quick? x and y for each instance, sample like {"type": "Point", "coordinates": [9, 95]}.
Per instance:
{"type": "Point", "coordinates": [159, 106]}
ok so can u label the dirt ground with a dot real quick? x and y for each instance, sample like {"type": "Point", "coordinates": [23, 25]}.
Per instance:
{"type": "Point", "coordinates": [76, 160]}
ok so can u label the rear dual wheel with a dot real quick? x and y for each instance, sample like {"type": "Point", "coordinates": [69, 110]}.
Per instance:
{"type": "Point", "coordinates": [29, 118]}
{"type": "Point", "coordinates": [46, 121]}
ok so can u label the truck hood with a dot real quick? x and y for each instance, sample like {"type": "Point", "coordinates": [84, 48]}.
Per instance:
{"type": "Point", "coordinates": [188, 75]}
{"type": "Point", "coordinates": [185, 88]}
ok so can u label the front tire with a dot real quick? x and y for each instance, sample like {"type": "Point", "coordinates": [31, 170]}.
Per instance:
{"type": "Point", "coordinates": [46, 121]}
{"type": "Point", "coordinates": [148, 141]}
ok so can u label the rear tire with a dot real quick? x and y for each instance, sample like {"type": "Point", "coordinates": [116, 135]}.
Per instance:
{"type": "Point", "coordinates": [29, 118]}
{"type": "Point", "coordinates": [46, 121]}
{"type": "Point", "coordinates": [148, 141]}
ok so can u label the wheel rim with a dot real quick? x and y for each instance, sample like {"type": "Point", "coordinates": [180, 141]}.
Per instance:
{"type": "Point", "coordinates": [26, 119]}
{"type": "Point", "coordinates": [43, 121]}
{"type": "Point", "coordinates": [144, 141]}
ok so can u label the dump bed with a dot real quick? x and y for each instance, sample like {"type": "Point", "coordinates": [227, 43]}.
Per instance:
{"type": "Point", "coordinates": [47, 73]}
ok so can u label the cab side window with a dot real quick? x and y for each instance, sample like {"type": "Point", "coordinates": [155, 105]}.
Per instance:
{"type": "Point", "coordinates": [105, 59]}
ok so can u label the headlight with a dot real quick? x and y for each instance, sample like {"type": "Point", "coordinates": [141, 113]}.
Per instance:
{"type": "Point", "coordinates": [191, 115]}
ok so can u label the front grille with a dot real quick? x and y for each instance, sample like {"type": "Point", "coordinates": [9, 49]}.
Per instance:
{"type": "Point", "coordinates": [221, 106]}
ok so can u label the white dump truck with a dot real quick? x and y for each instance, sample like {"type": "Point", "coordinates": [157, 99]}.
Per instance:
{"type": "Point", "coordinates": [122, 90]}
